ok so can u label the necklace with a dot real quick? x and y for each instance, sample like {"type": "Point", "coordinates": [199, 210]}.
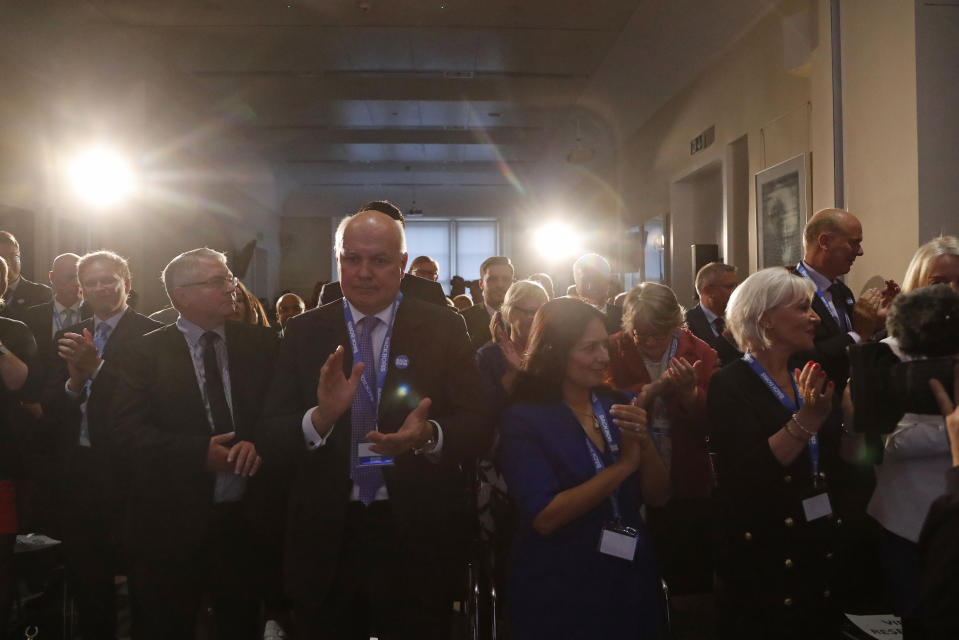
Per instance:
{"type": "Point", "coordinates": [584, 414]}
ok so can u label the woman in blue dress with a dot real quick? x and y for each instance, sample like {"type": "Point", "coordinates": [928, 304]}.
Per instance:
{"type": "Point", "coordinates": [577, 460]}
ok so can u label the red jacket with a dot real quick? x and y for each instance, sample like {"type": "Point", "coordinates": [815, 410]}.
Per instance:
{"type": "Point", "coordinates": [691, 473]}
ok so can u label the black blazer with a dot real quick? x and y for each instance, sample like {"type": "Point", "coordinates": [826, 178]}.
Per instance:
{"type": "Point", "coordinates": [61, 412]}
{"type": "Point", "coordinates": [427, 498]}
{"type": "Point", "coordinates": [161, 432]}
{"type": "Point", "coordinates": [477, 324]}
{"type": "Point", "coordinates": [26, 295]}
{"type": "Point", "coordinates": [39, 318]}
{"type": "Point", "coordinates": [410, 286]}
{"type": "Point", "coordinates": [830, 344]}
{"type": "Point", "coordinates": [759, 501]}
{"type": "Point", "coordinates": [697, 323]}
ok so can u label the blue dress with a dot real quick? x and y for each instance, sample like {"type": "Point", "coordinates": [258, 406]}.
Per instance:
{"type": "Point", "coordinates": [561, 586]}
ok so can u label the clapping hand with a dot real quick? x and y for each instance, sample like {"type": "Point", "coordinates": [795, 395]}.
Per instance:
{"type": "Point", "coordinates": [681, 377]}
{"type": "Point", "coordinates": [412, 434]}
{"type": "Point", "coordinates": [81, 355]}
{"type": "Point", "coordinates": [334, 391]}
{"type": "Point", "coordinates": [868, 315]}
{"type": "Point", "coordinates": [816, 393]}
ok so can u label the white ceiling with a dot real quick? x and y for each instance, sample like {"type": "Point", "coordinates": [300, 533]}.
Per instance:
{"type": "Point", "coordinates": [344, 93]}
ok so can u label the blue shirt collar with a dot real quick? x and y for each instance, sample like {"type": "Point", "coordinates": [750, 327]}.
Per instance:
{"type": "Point", "coordinates": [193, 332]}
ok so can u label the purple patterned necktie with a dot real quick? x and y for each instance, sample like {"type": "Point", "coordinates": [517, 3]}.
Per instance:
{"type": "Point", "coordinates": [363, 414]}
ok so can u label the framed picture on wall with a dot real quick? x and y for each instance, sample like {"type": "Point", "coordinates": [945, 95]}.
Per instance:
{"type": "Point", "coordinates": [782, 207]}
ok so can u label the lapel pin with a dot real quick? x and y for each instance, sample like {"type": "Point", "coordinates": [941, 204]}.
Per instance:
{"type": "Point", "coordinates": [402, 362]}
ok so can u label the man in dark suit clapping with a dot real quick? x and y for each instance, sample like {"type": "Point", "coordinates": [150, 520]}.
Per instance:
{"type": "Point", "coordinates": [79, 389]}
{"type": "Point", "coordinates": [374, 408]}
{"type": "Point", "coordinates": [187, 404]}
{"type": "Point", "coordinates": [715, 282]}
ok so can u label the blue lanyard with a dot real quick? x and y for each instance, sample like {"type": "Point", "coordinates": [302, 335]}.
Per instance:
{"type": "Point", "coordinates": [787, 402]}
{"type": "Point", "coordinates": [843, 322]}
{"type": "Point", "coordinates": [598, 464]}
{"type": "Point", "coordinates": [384, 359]}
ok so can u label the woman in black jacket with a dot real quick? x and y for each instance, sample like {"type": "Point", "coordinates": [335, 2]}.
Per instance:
{"type": "Point", "coordinates": [775, 558]}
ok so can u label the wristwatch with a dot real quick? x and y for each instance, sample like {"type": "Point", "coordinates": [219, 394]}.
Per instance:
{"type": "Point", "coordinates": [430, 444]}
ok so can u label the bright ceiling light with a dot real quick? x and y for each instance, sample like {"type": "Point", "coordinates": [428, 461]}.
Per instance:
{"type": "Point", "coordinates": [101, 177]}
{"type": "Point", "coordinates": [556, 240]}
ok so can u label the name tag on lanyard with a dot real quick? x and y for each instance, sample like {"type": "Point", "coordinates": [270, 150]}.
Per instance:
{"type": "Point", "coordinates": [615, 539]}
{"type": "Point", "coordinates": [817, 505]}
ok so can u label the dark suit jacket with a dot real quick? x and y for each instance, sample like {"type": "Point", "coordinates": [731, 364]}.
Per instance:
{"type": "Point", "coordinates": [830, 344]}
{"type": "Point", "coordinates": [39, 318]}
{"type": "Point", "coordinates": [477, 324]}
{"type": "Point", "coordinates": [27, 295]}
{"type": "Point", "coordinates": [697, 323]}
{"type": "Point", "coordinates": [161, 432]}
{"type": "Point", "coordinates": [410, 286]}
{"type": "Point", "coordinates": [61, 412]}
{"type": "Point", "coordinates": [940, 562]}
{"type": "Point", "coordinates": [760, 500]}
{"type": "Point", "coordinates": [427, 498]}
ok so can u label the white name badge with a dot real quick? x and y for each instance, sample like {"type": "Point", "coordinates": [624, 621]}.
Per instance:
{"type": "Point", "coordinates": [817, 507]}
{"type": "Point", "coordinates": [618, 542]}
{"type": "Point", "coordinates": [365, 457]}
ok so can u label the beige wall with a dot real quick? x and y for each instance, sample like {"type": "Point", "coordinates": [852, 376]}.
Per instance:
{"type": "Point", "coordinates": [783, 112]}
{"type": "Point", "coordinates": [307, 249]}
{"type": "Point", "coordinates": [881, 157]}
{"type": "Point", "coordinates": [747, 91]}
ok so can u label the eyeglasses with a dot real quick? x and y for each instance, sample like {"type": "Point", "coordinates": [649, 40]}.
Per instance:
{"type": "Point", "coordinates": [107, 281]}
{"type": "Point", "coordinates": [217, 282]}
{"type": "Point", "coordinates": [526, 312]}
{"type": "Point", "coordinates": [651, 337]}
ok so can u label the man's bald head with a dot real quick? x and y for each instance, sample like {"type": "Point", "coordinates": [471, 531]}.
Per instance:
{"type": "Point", "coordinates": [832, 240]}
{"type": "Point", "coordinates": [287, 306]}
{"type": "Point", "coordinates": [63, 279]}
{"type": "Point", "coordinates": [371, 257]}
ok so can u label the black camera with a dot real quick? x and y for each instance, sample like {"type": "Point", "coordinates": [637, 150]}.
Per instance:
{"type": "Point", "coordinates": [884, 388]}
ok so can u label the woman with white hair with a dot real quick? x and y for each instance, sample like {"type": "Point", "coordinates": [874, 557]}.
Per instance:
{"type": "Point", "coordinates": [775, 553]}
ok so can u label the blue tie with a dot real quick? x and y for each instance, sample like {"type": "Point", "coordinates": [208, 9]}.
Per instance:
{"type": "Point", "coordinates": [100, 337]}
{"type": "Point", "coordinates": [363, 414]}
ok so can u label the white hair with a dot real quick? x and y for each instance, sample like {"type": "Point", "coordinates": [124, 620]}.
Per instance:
{"type": "Point", "coordinates": [182, 267]}
{"type": "Point", "coordinates": [760, 292]}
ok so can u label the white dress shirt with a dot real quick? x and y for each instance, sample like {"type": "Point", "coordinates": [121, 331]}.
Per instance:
{"type": "Point", "coordinates": [229, 487]}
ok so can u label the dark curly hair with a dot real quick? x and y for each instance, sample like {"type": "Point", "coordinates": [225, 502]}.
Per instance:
{"type": "Point", "coordinates": [926, 321]}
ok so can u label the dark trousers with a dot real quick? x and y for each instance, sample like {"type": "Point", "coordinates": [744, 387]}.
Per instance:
{"type": "Point", "coordinates": [90, 543]}
{"type": "Point", "coordinates": [901, 564]}
{"type": "Point", "coordinates": [168, 585]}
{"type": "Point", "coordinates": [379, 588]}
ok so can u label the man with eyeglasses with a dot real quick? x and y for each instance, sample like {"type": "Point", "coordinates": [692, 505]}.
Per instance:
{"type": "Point", "coordinates": [21, 293]}
{"type": "Point", "coordinates": [715, 283]}
{"type": "Point", "coordinates": [183, 423]}
{"type": "Point", "coordinates": [80, 386]}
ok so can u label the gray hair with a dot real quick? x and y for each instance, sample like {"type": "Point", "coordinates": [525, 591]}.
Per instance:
{"type": "Point", "coordinates": [926, 321]}
{"type": "Point", "coordinates": [181, 269]}
{"type": "Point", "coordinates": [759, 293]}
{"type": "Point", "coordinates": [590, 260]}
{"type": "Point", "coordinates": [708, 273]}
{"type": "Point", "coordinates": [653, 303]}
